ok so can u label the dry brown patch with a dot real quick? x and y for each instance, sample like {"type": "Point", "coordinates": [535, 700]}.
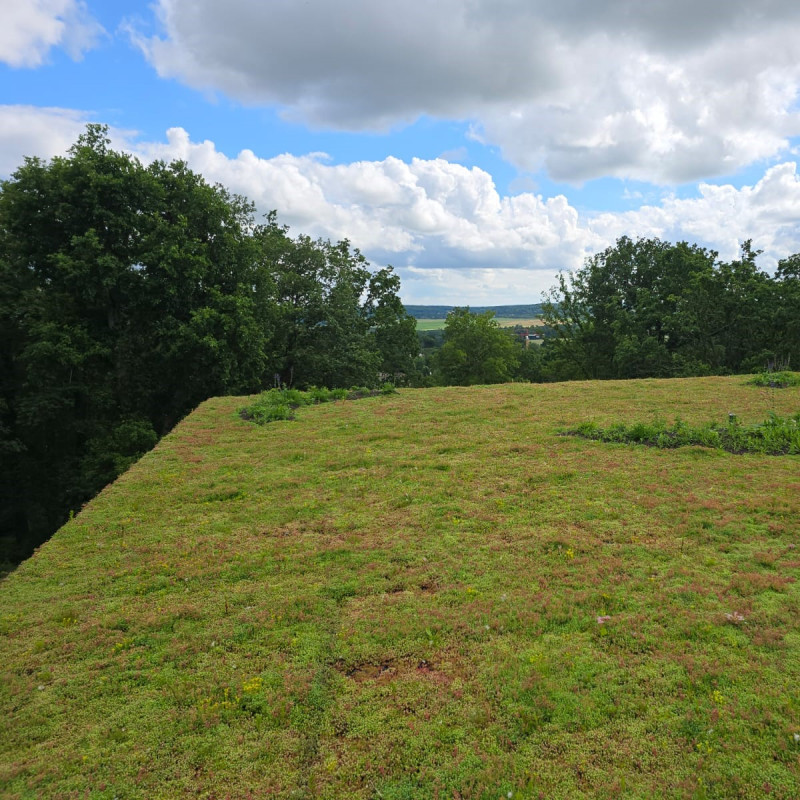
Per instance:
{"type": "Point", "coordinates": [391, 669]}
{"type": "Point", "coordinates": [770, 638]}
{"type": "Point", "coordinates": [367, 671]}
{"type": "Point", "coordinates": [750, 583]}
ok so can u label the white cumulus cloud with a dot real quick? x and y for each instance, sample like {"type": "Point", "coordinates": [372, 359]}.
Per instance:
{"type": "Point", "coordinates": [663, 91]}
{"type": "Point", "coordinates": [31, 28]}
{"type": "Point", "coordinates": [36, 131]}
{"type": "Point", "coordinates": [445, 227]}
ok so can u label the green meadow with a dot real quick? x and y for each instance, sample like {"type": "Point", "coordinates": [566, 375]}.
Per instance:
{"type": "Point", "coordinates": [431, 594]}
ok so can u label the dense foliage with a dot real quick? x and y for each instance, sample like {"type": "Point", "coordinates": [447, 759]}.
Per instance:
{"type": "Point", "coordinates": [775, 436]}
{"type": "Point", "coordinates": [473, 348]}
{"type": "Point", "coordinates": [476, 350]}
{"type": "Point", "coordinates": [780, 379]}
{"type": "Point", "coordinates": [276, 405]}
{"type": "Point", "coordinates": [130, 293]}
{"type": "Point", "coordinates": [649, 308]}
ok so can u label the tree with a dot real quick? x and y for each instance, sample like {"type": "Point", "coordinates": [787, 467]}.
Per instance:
{"type": "Point", "coordinates": [393, 330]}
{"type": "Point", "coordinates": [338, 324]}
{"type": "Point", "coordinates": [128, 294]}
{"type": "Point", "coordinates": [648, 308]}
{"type": "Point", "coordinates": [476, 350]}
{"type": "Point", "coordinates": [131, 293]}
{"type": "Point", "coordinates": [786, 302]}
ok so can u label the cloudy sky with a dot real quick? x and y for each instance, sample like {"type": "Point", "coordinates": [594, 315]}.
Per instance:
{"type": "Point", "coordinates": [478, 146]}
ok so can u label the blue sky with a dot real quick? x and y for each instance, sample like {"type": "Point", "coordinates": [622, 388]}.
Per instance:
{"type": "Point", "coordinates": [478, 147]}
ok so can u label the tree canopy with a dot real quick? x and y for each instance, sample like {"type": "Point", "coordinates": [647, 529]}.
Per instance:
{"type": "Point", "coordinates": [476, 350]}
{"type": "Point", "coordinates": [129, 293]}
{"type": "Point", "coordinates": [648, 308]}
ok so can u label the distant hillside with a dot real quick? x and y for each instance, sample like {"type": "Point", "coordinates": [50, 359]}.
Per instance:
{"type": "Point", "coordinates": [440, 312]}
{"type": "Point", "coordinates": [430, 594]}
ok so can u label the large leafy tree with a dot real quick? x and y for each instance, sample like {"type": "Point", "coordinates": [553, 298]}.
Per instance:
{"type": "Point", "coordinates": [624, 313]}
{"type": "Point", "coordinates": [338, 323]}
{"type": "Point", "coordinates": [648, 308]}
{"type": "Point", "coordinates": [393, 331]}
{"type": "Point", "coordinates": [69, 241]}
{"type": "Point", "coordinates": [129, 293]}
{"type": "Point", "coordinates": [476, 350]}
{"type": "Point", "coordinates": [786, 308]}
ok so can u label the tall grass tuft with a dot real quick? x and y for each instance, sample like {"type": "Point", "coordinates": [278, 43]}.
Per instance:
{"type": "Point", "coordinates": [775, 436]}
{"type": "Point", "coordinates": [279, 404]}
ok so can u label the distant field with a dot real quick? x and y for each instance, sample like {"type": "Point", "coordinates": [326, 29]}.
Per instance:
{"type": "Point", "coordinates": [426, 595]}
{"type": "Point", "coordinates": [438, 324]}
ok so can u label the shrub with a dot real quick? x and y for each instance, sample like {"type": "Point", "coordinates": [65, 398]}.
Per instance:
{"type": "Point", "coordinates": [294, 398]}
{"type": "Point", "coordinates": [776, 380]}
{"type": "Point", "coordinates": [263, 412]}
{"type": "Point", "coordinates": [318, 394]}
{"type": "Point", "coordinates": [775, 436]}
{"type": "Point", "coordinates": [278, 404]}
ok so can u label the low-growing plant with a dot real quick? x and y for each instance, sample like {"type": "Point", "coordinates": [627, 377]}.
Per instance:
{"type": "Point", "coordinates": [775, 436]}
{"type": "Point", "coordinates": [279, 404]}
{"type": "Point", "coordinates": [357, 392]}
{"type": "Point", "coordinates": [318, 394]}
{"type": "Point", "coordinates": [268, 407]}
{"type": "Point", "coordinates": [295, 398]}
{"type": "Point", "coordinates": [776, 380]}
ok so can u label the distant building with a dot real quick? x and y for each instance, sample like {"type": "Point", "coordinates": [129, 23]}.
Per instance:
{"type": "Point", "coordinates": [526, 336]}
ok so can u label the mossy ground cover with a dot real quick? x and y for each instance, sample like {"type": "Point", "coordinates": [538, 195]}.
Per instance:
{"type": "Point", "coordinates": [428, 594]}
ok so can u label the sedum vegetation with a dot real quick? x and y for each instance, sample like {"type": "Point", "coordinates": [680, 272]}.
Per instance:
{"type": "Point", "coordinates": [425, 595]}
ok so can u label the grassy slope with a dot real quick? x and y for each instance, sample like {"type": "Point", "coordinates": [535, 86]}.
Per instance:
{"type": "Point", "coordinates": [398, 597]}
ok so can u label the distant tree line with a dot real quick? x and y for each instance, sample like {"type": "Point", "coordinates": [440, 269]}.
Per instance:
{"type": "Point", "coordinates": [131, 293]}
{"type": "Point", "coordinates": [642, 308]}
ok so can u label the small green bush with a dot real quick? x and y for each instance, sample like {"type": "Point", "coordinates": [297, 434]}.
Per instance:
{"type": "Point", "coordinates": [776, 380]}
{"type": "Point", "coordinates": [295, 398]}
{"type": "Point", "coordinates": [261, 414]}
{"type": "Point", "coordinates": [318, 394]}
{"type": "Point", "coordinates": [279, 404]}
